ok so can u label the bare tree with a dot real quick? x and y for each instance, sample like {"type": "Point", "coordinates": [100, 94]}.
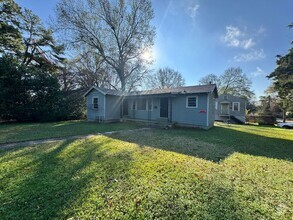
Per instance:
{"type": "Point", "coordinates": [119, 31]}
{"type": "Point", "coordinates": [210, 79]}
{"type": "Point", "coordinates": [235, 82]}
{"type": "Point", "coordinates": [166, 78]}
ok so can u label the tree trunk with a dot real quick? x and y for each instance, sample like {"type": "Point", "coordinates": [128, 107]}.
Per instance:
{"type": "Point", "coordinates": [123, 83]}
{"type": "Point", "coordinates": [284, 115]}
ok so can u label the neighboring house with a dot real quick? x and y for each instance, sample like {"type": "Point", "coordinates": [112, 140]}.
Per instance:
{"type": "Point", "coordinates": [230, 108]}
{"type": "Point", "coordinates": [185, 106]}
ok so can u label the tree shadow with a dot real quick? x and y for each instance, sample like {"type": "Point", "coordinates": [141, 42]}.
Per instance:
{"type": "Point", "coordinates": [215, 144]}
{"type": "Point", "coordinates": [54, 176]}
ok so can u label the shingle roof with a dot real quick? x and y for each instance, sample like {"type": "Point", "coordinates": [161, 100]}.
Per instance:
{"type": "Point", "coordinates": [178, 90]}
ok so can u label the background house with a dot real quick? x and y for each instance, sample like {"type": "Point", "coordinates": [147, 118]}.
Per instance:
{"type": "Point", "coordinates": [185, 106]}
{"type": "Point", "coordinates": [230, 108]}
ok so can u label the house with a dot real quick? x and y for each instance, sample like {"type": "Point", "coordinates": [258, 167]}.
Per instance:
{"type": "Point", "coordinates": [186, 106]}
{"type": "Point", "coordinates": [230, 108]}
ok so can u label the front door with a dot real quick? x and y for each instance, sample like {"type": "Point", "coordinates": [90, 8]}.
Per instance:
{"type": "Point", "coordinates": [164, 107]}
{"type": "Point", "coordinates": [225, 109]}
{"type": "Point", "coordinates": [125, 107]}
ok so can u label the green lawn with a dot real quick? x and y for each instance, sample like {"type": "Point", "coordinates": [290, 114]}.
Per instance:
{"type": "Point", "coordinates": [33, 131]}
{"type": "Point", "coordinates": [228, 172]}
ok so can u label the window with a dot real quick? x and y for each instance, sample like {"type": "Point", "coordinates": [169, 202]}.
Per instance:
{"type": "Point", "coordinates": [141, 105]}
{"type": "Point", "coordinates": [150, 104]}
{"type": "Point", "coordinates": [216, 105]}
{"type": "Point", "coordinates": [95, 102]}
{"type": "Point", "coordinates": [191, 102]}
{"type": "Point", "coordinates": [236, 106]}
{"type": "Point", "coordinates": [133, 107]}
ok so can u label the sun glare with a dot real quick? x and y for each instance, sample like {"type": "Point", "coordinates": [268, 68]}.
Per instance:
{"type": "Point", "coordinates": [148, 55]}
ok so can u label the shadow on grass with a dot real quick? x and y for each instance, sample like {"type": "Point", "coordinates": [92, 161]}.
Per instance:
{"type": "Point", "coordinates": [215, 144]}
{"type": "Point", "coordinates": [54, 177]}
{"type": "Point", "coordinates": [99, 178]}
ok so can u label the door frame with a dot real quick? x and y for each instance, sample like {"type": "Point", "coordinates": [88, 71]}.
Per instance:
{"type": "Point", "coordinates": [125, 102]}
{"type": "Point", "coordinates": [228, 108]}
{"type": "Point", "coordinates": [166, 108]}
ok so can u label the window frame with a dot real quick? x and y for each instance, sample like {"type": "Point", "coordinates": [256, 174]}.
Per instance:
{"type": "Point", "coordinates": [152, 104]}
{"type": "Point", "coordinates": [187, 103]}
{"type": "Point", "coordinates": [93, 102]}
{"type": "Point", "coordinates": [233, 109]}
{"type": "Point", "coordinates": [216, 105]}
{"type": "Point", "coordinates": [139, 102]}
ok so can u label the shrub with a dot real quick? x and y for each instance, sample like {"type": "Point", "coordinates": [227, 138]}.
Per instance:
{"type": "Point", "coordinates": [265, 119]}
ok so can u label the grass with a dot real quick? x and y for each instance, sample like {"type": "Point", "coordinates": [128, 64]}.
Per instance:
{"type": "Point", "coordinates": [228, 172]}
{"type": "Point", "coordinates": [34, 131]}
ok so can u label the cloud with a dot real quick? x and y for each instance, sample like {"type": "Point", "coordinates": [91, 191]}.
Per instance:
{"type": "Point", "coordinates": [234, 37]}
{"type": "Point", "coordinates": [250, 56]}
{"type": "Point", "coordinates": [258, 72]}
{"type": "Point", "coordinates": [261, 30]}
{"type": "Point", "coordinates": [192, 10]}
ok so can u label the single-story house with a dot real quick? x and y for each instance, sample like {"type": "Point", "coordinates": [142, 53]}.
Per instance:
{"type": "Point", "coordinates": [185, 106]}
{"type": "Point", "coordinates": [230, 108]}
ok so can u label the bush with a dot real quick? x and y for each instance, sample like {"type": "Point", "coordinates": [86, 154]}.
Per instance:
{"type": "Point", "coordinates": [265, 119]}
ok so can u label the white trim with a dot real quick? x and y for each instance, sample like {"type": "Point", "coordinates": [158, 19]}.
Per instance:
{"type": "Point", "coordinates": [194, 96]}
{"type": "Point", "coordinates": [151, 100]}
{"type": "Point", "coordinates": [208, 103]}
{"type": "Point", "coordinates": [222, 107]}
{"type": "Point", "coordinates": [146, 104]}
{"type": "Point", "coordinates": [216, 105]}
{"type": "Point", "coordinates": [95, 97]}
{"type": "Point", "coordinates": [96, 88]}
{"type": "Point", "coordinates": [238, 106]}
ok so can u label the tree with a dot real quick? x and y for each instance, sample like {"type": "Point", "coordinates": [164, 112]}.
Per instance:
{"type": "Point", "coordinates": [235, 82]}
{"type": "Point", "coordinates": [90, 70]}
{"type": "Point", "coordinates": [283, 80]}
{"type": "Point", "coordinates": [10, 36]}
{"type": "Point", "coordinates": [119, 31]}
{"type": "Point", "coordinates": [166, 78]}
{"type": "Point", "coordinates": [210, 78]}
{"type": "Point", "coordinates": [40, 48]}
{"type": "Point", "coordinates": [27, 93]}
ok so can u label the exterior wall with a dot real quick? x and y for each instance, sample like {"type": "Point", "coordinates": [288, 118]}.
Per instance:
{"type": "Point", "coordinates": [190, 116]}
{"type": "Point", "coordinates": [113, 107]}
{"type": "Point", "coordinates": [153, 114]}
{"type": "Point", "coordinates": [109, 109]}
{"type": "Point", "coordinates": [239, 114]}
{"type": "Point", "coordinates": [95, 114]}
{"type": "Point", "coordinates": [211, 111]}
{"type": "Point", "coordinates": [202, 116]}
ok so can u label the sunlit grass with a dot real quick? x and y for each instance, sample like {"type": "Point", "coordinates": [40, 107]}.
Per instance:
{"type": "Point", "coordinates": [34, 131]}
{"type": "Point", "coordinates": [266, 131]}
{"type": "Point", "coordinates": [156, 174]}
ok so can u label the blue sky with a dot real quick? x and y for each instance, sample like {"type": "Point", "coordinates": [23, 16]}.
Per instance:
{"type": "Point", "coordinates": [199, 37]}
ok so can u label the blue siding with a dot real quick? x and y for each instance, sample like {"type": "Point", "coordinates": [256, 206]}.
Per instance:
{"type": "Point", "coordinates": [94, 114]}
{"type": "Point", "coordinates": [239, 114]}
{"type": "Point", "coordinates": [180, 113]}
{"type": "Point", "coordinates": [211, 111]}
{"type": "Point", "coordinates": [109, 108]}
{"type": "Point", "coordinates": [153, 114]}
{"type": "Point", "coordinates": [113, 107]}
{"type": "Point", "coordinates": [190, 116]}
